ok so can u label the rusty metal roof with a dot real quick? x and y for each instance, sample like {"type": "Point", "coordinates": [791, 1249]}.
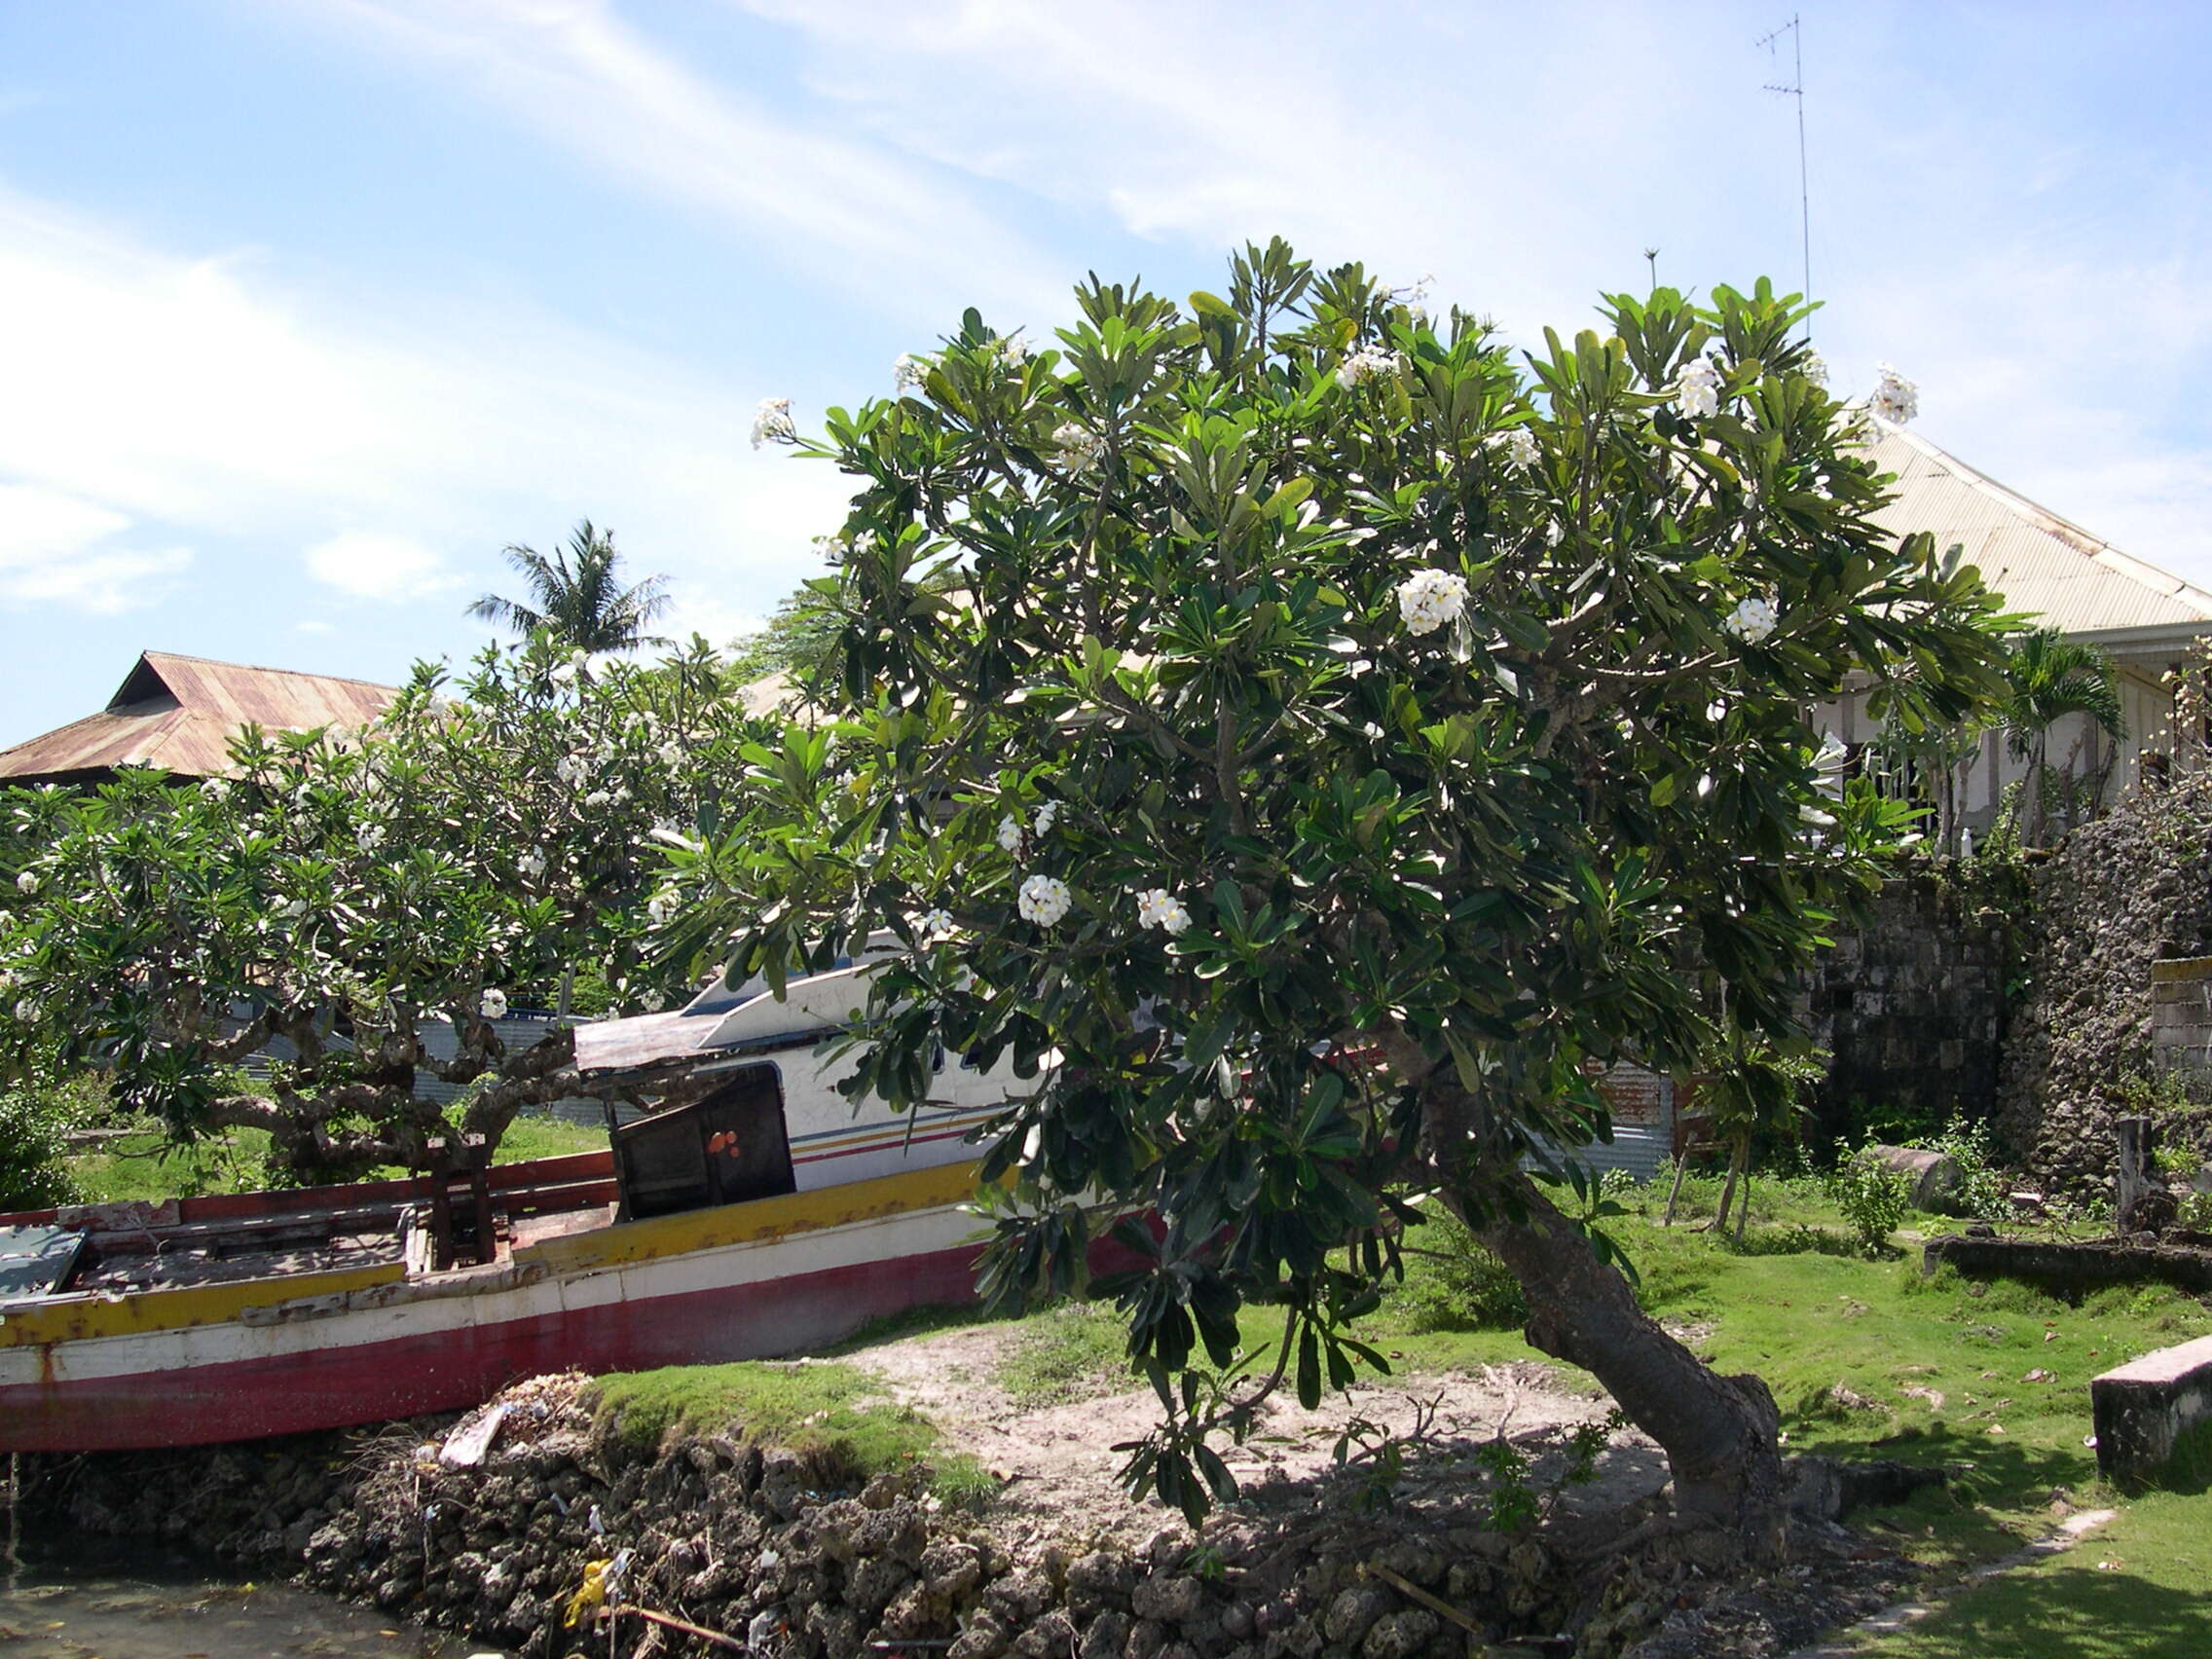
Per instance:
{"type": "Point", "coordinates": [2074, 580]}
{"type": "Point", "coordinates": [180, 712]}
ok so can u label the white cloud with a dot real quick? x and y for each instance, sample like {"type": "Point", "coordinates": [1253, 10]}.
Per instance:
{"type": "Point", "coordinates": [56, 547]}
{"type": "Point", "coordinates": [850, 211]}
{"type": "Point", "coordinates": [367, 565]}
{"type": "Point", "coordinates": [314, 625]}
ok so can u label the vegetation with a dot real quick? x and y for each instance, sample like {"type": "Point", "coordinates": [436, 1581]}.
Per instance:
{"type": "Point", "coordinates": [349, 891]}
{"type": "Point", "coordinates": [2049, 678]}
{"type": "Point", "coordinates": [831, 1412]}
{"type": "Point", "coordinates": [577, 597]}
{"type": "Point", "coordinates": [34, 1169]}
{"type": "Point", "coordinates": [1352, 736]}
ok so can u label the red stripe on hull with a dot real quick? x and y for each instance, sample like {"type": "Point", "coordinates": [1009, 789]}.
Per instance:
{"type": "Point", "coordinates": [449, 1370]}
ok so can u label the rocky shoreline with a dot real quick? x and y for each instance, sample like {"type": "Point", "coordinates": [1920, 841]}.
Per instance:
{"type": "Point", "coordinates": [556, 1521]}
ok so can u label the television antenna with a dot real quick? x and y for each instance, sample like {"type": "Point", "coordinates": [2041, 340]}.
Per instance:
{"type": "Point", "coordinates": [1772, 40]}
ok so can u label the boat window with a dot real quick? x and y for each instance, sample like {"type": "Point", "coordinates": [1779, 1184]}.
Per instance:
{"type": "Point", "coordinates": [725, 1149]}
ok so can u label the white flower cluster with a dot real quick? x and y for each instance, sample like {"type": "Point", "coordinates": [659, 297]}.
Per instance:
{"type": "Point", "coordinates": [572, 769]}
{"type": "Point", "coordinates": [1080, 447]}
{"type": "Point", "coordinates": [661, 907]}
{"type": "Point", "coordinates": [670, 754]}
{"type": "Point", "coordinates": [26, 883]}
{"type": "Point", "coordinates": [1754, 619]}
{"type": "Point", "coordinates": [933, 923]}
{"type": "Point", "coordinates": [1697, 388]}
{"type": "Point", "coordinates": [1043, 900]}
{"type": "Point", "coordinates": [1413, 296]}
{"type": "Point", "coordinates": [772, 422]}
{"type": "Point", "coordinates": [652, 1001]}
{"type": "Point", "coordinates": [911, 372]}
{"type": "Point", "coordinates": [834, 549]}
{"type": "Point", "coordinates": [1814, 367]}
{"type": "Point", "coordinates": [292, 909]}
{"type": "Point", "coordinates": [1010, 834]}
{"type": "Point", "coordinates": [1516, 447]}
{"type": "Point", "coordinates": [532, 865]}
{"type": "Point", "coordinates": [1157, 907]}
{"type": "Point", "coordinates": [1430, 599]}
{"type": "Point", "coordinates": [1013, 350]}
{"type": "Point", "coordinates": [1365, 364]}
{"type": "Point", "coordinates": [495, 1003]}
{"type": "Point", "coordinates": [214, 789]}
{"type": "Point", "coordinates": [369, 838]}
{"type": "Point", "coordinates": [1896, 399]}
{"type": "Point", "coordinates": [1046, 816]}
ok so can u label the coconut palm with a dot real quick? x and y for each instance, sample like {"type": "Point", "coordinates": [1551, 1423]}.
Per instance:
{"type": "Point", "coordinates": [577, 595]}
{"type": "Point", "coordinates": [2050, 678]}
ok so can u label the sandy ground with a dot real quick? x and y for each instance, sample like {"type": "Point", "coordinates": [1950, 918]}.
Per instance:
{"type": "Point", "coordinates": [1059, 1464]}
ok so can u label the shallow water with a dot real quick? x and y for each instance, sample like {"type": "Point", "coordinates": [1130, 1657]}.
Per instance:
{"type": "Point", "coordinates": [90, 1599]}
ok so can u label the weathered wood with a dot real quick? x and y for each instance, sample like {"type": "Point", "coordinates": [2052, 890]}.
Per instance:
{"type": "Point", "coordinates": [2131, 1175]}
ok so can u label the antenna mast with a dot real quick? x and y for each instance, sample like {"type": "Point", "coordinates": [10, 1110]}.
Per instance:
{"type": "Point", "coordinates": [1794, 29]}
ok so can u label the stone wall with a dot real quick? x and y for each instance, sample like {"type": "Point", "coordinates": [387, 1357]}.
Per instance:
{"type": "Point", "coordinates": [1912, 1007]}
{"type": "Point", "coordinates": [2181, 1013]}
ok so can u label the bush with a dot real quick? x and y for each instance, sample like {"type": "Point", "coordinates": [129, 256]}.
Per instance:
{"type": "Point", "coordinates": [1983, 1193]}
{"type": "Point", "coordinates": [34, 1171]}
{"type": "Point", "coordinates": [1873, 1197]}
{"type": "Point", "coordinates": [1455, 1284]}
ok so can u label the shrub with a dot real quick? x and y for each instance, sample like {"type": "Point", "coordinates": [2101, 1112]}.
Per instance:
{"type": "Point", "coordinates": [1983, 1193]}
{"type": "Point", "coordinates": [1872, 1199]}
{"type": "Point", "coordinates": [34, 1170]}
{"type": "Point", "coordinates": [1455, 1284]}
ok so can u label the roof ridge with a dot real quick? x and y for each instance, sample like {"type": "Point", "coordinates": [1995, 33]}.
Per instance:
{"type": "Point", "coordinates": [2100, 550]}
{"type": "Point", "coordinates": [151, 654]}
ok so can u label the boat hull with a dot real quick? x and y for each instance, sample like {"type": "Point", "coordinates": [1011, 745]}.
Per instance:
{"type": "Point", "coordinates": [752, 1281]}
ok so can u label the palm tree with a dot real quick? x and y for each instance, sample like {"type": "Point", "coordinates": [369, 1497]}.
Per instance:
{"type": "Point", "coordinates": [577, 595]}
{"type": "Point", "coordinates": [2052, 678]}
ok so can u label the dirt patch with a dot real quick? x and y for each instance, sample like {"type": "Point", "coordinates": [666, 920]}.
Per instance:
{"type": "Point", "coordinates": [1058, 1461]}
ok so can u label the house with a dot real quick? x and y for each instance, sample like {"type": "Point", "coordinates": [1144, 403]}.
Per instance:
{"type": "Point", "coordinates": [180, 712]}
{"type": "Point", "coordinates": [2068, 578]}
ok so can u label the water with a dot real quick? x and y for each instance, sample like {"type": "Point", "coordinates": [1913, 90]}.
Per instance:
{"type": "Point", "coordinates": [87, 1599]}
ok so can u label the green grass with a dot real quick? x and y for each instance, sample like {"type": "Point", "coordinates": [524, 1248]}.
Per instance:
{"type": "Point", "coordinates": [829, 1412]}
{"type": "Point", "coordinates": [144, 1164]}
{"type": "Point", "coordinates": [1072, 1352]}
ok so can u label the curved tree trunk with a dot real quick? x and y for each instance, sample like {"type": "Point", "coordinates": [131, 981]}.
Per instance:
{"type": "Point", "coordinates": [1720, 1433]}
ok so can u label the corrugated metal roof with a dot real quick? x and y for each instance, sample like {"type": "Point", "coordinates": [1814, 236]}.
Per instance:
{"type": "Point", "coordinates": [180, 712]}
{"type": "Point", "coordinates": [2075, 581]}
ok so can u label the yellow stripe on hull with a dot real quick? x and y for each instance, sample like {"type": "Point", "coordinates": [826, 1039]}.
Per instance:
{"type": "Point", "coordinates": [69, 1319]}
{"type": "Point", "coordinates": [761, 1219]}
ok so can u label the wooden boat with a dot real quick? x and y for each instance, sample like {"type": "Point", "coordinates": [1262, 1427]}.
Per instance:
{"type": "Point", "coordinates": [762, 1217]}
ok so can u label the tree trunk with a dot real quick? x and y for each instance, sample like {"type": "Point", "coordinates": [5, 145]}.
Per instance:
{"type": "Point", "coordinates": [1728, 1190]}
{"type": "Point", "coordinates": [1674, 1191]}
{"type": "Point", "coordinates": [1719, 1433]}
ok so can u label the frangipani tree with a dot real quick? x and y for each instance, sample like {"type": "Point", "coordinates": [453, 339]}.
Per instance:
{"type": "Point", "coordinates": [348, 889]}
{"type": "Point", "coordinates": [1349, 737]}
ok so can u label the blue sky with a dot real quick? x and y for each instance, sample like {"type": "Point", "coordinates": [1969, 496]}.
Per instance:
{"type": "Point", "coordinates": [308, 307]}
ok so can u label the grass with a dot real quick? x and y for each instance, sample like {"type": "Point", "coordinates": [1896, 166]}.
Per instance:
{"type": "Point", "coordinates": [145, 1164]}
{"type": "Point", "coordinates": [826, 1411]}
{"type": "Point", "coordinates": [1073, 1352]}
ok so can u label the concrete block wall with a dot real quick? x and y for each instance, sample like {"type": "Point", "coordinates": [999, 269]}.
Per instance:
{"type": "Point", "coordinates": [2181, 1013]}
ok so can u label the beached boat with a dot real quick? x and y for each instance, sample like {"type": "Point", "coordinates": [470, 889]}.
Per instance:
{"type": "Point", "coordinates": [762, 1216]}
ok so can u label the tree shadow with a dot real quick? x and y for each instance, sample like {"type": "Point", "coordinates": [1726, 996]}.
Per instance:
{"type": "Point", "coordinates": [2072, 1610]}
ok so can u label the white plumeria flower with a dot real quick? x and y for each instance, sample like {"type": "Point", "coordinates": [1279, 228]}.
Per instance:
{"type": "Point", "coordinates": [1081, 448]}
{"type": "Point", "coordinates": [834, 549]}
{"type": "Point", "coordinates": [26, 1011]}
{"type": "Point", "coordinates": [572, 769]}
{"type": "Point", "coordinates": [598, 798]}
{"type": "Point", "coordinates": [934, 923]}
{"type": "Point", "coordinates": [1814, 367]}
{"type": "Point", "coordinates": [1430, 599]}
{"type": "Point", "coordinates": [1047, 815]}
{"type": "Point", "coordinates": [495, 1003]}
{"type": "Point", "coordinates": [1010, 834]}
{"type": "Point", "coordinates": [532, 865]}
{"type": "Point", "coordinates": [1157, 907]}
{"type": "Point", "coordinates": [651, 1001]}
{"type": "Point", "coordinates": [1517, 446]}
{"type": "Point", "coordinates": [1697, 388]}
{"type": "Point", "coordinates": [564, 673]}
{"type": "Point", "coordinates": [1365, 364]}
{"type": "Point", "coordinates": [214, 789]}
{"type": "Point", "coordinates": [1012, 349]}
{"type": "Point", "coordinates": [26, 883]}
{"type": "Point", "coordinates": [661, 907]}
{"type": "Point", "coordinates": [1896, 399]}
{"type": "Point", "coordinates": [369, 838]}
{"type": "Point", "coordinates": [911, 371]}
{"type": "Point", "coordinates": [292, 909]}
{"type": "Point", "coordinates": [1754, 619]}
{"type": "Point", "coordinates": [1043, 900]}
{"type": "Point", "coordinates": [670, 753]}
{"type": "Point", "coordinates": [772, 422]}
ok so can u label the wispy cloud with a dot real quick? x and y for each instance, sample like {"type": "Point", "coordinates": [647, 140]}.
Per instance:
{"type": "Point", "coordinates": [374, 566]}
{"type": "Point", "coordinates": [57, 548]}
{"type": "Point", "coordinates": [799, 184]}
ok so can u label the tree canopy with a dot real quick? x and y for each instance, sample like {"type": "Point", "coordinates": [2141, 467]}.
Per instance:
{"type": "Point", "coordinates": [1347, 737]}
{"type": "Point", "coordinates": [348, 892]}
{"type": "Point", "coordinates": [577, 596]}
